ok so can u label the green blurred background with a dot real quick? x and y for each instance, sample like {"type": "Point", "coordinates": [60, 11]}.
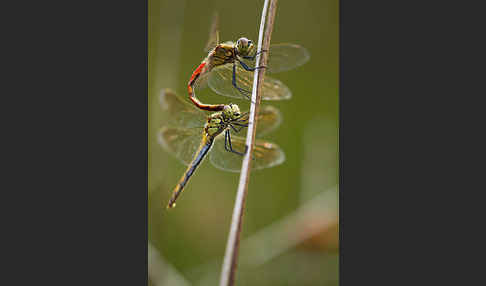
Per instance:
{"type": "Point", "coordinates": [290, 227]}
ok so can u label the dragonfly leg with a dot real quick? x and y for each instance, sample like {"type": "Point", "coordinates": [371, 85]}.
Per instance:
{"type": "Point", "coordinates": [244, 92]}
{"type": "Point", "coordinates": [243, 115]}
{"type": "Point", "coordinates": [228, 137]}
{"type": "Point", "coordinates": [226, 141]}
{"type": "Point", "coordinates": [242, 121]}
{"type": "Point", "coordinates": [249, 68]}
{"type": "Point", "coordinates": [234, 129]}
{"type": "Point", "coordinates": [239, 125]}
{"type": "Point", "coordinates": [254, 56]}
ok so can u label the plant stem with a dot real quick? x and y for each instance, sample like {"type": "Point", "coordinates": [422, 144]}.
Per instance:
{"type": "Point", "coordinates": [231, 255]}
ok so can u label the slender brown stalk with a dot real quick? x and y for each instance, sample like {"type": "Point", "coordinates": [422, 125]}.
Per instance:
{"type": "Point", "coordinates": [231, 255]}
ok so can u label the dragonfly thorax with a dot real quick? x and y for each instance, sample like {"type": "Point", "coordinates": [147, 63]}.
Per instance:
{"type": "Point", "coordinates": [222, 54]}
{"type": "Point", "coordinates": [219, 121]}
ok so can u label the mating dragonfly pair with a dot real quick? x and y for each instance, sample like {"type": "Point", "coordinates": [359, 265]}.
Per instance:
{"type": "Point", "coordinates": [227, 70]}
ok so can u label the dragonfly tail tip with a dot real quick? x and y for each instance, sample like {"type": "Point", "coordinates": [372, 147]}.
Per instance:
{"type": "Point", "coordinates": [171, 205]}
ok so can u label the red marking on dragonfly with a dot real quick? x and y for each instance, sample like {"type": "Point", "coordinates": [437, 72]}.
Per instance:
{"type": "Point", "coordinates": [197, 72]}
{"type": "Point", "coordinates": [195, 75]}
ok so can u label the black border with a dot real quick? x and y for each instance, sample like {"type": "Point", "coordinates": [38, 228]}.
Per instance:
{"type": "Point", "coordinates": [78, 165]}
{"type": "Point", "coordinates": [403, 84]}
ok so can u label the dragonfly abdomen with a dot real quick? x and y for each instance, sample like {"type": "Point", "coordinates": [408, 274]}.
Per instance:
{"type": "Point", "coordinates": [201, 153]}
{"type": "Point", "coordinates": [202, 68]}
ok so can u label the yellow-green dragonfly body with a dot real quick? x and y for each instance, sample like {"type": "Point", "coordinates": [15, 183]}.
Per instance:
{"type": "Point", "coordinates": [228, 69]}
{"type": "Point", "coordinates": [191, 142]}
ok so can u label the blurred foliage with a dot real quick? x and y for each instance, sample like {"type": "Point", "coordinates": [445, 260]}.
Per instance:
{"type": "Point", "coordinates": [192, 237]}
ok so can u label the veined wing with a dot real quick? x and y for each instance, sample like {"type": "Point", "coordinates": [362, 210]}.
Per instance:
{"type": "Point", "coordinates": [201, 82]}
{"type": "Point", "coordinates": [181, 113]}
{"type": "Point", "coordinates": [265, 154]}
{"type": "Point", "coordinates": [283, 57]}
{"type": "Point", "coordinates": [220, 81]}
{"type": "Point", "coordinates": [213, 38]}
{"type": "Point", "coordinates": [182, 142]}
{"type": "Point", "coordinates": [268, 119]}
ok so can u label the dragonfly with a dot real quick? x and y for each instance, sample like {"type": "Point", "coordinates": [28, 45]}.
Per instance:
{"type": "Point", "coordinates": [228, 68]}
{"type": "Point", "coordinates": [190, 135]}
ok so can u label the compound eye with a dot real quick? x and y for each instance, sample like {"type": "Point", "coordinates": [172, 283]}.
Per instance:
{"type": "Point", "coordinates": [243, 41]}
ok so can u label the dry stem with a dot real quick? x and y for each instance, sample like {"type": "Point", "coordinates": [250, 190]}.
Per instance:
{"type": "Point", "coordinates": [232, 247]}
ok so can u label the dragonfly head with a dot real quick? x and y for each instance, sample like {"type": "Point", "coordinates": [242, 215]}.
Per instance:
{"type": "Point", "coordinates": [231, 111]}
{"type": "Point", "coordinates": [244, 46]}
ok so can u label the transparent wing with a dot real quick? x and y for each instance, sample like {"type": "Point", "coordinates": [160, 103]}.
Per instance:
{"type": "Point", "coordinates": [220, 81]}
{"type": "Point", "coordinates": [265, 154]}
{"type": "Point", "coordinates": [201, 82]}
{"type": "Point", "coordinates": [268, 119]}
{"type": "Point", "coordinates": [179, 112]}
{"type": "Point", "coordinates": [284, 57]}
{"type": "Point", "coordinates": [180, 142]}
{"type": "Point", "coordinates": [213, 38]}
